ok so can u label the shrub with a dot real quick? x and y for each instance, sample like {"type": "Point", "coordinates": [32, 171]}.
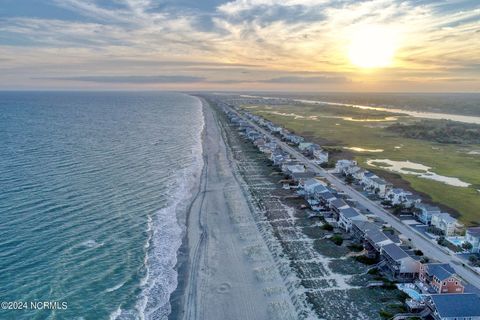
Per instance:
{"type": "Point", "coordinates": [373, 271]}
{"type": "Point", "coordinates": [385, 314]}
{"type": "Point", "coordinates": [337, 239]}
{"type": "Point", "coordinates": [418, 252]}
{"type": "Point", "coordinates": [366, 260]}
{"type": "Point", "coordinates": [327, 227]}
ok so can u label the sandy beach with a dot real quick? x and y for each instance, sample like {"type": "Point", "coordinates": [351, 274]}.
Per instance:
{"type": "Point", "coordinates": [225, 268]}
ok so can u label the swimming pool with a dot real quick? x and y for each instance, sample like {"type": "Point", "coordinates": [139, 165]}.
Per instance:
{"type": "Point", "coordinates": [412, 293]}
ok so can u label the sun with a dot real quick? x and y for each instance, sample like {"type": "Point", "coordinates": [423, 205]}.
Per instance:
{"type": "Point", "coordinates": [372, 47]}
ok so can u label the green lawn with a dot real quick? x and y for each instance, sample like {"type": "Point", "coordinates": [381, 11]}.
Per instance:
{"type": "Point", "coordinates": [445, 159]}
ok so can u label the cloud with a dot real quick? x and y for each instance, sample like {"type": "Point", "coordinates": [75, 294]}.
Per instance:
{"type": "Point", "coordinates": [294, 79]}
{"type": "Point", "coordinates": [131, 79]}
{"type": "Point", "coordinates": [276, 40]}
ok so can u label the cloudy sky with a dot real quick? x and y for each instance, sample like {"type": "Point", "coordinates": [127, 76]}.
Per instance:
{"type": "Point", "coordinates": [307, 45]}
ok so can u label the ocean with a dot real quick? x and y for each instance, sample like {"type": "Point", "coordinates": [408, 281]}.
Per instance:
{"type": "Point", "coordinates": [93, 189]}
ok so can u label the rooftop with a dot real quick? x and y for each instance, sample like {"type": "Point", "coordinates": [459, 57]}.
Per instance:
{"type": "Point", "coordinates": [349, 212]}
{"type": "Point", "coordinates": [440, 270]}
{"type": "Point", "coordinates": [395, 252]}
{"type": "Point", "coordinates": [376, 236]}
{"type": "Point", "coordinates": [339, 203]}
{"type": "Point", "coordinates": [457, 305]}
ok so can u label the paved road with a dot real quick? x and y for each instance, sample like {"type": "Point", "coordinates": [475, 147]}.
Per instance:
{"type": "Point", "coordinates": [428, 247]}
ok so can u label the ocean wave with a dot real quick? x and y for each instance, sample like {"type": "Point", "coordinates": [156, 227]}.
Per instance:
{"type": "Point", "coordinates": [165, 238]}
{"type": "Point", "coordinates": [114, 288]}
{"type": "Point", "coordinates": [115, 314]}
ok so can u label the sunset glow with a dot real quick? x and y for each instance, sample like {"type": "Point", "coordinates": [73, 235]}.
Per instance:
{"type": "Point", "coordinates": [372, 47]}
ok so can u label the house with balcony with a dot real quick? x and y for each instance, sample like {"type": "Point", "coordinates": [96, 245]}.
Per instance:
{"type": "Point", "coordinates": [424, 213]}
{"type": "Point", "coordinates": [375, 239]}
{"type": "Point", "coordinates": [440, 278]}
{"type": "Point", "coordinates": [343, 165]}
{"type": "Point", "coordinates": [310, 186]}
{"type": "Point", "coordinates": [446, 223]}
{"type": "Point", "coordinates": [347, 215]}
{"type": "Point", "coordinates": [338, 204]}
{"type": "Point", "coordinates": [397, 196]}
{"type": "Point", "coordinates": [399, 264]}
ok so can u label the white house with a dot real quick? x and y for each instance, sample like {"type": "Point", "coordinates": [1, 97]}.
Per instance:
{"type": "Point", "coordinates": [358, 175]}
{"type": "Point", "coordinates": [295, 168]}
{"type": "Point", "coordinates": [321, 156]}
{"type": "Point", "coordinates": [347, 216]}
{"type": "Point", "coordinates": [366, 178]}
{"type": "Point", "coordinates": [311, 184]}
{"type": "Point", "coordinates": [473, 236]}
{"type": "Point", "coordinates": [343, 164]}
{"type": "Point", "coordinates": [446, 223]}
{"type": "Point", "coordinates": [398, 195]}
{"type": "Point", "coordinates": [304, 145]}
{"type": "Point", "coordinates": [377, 185]}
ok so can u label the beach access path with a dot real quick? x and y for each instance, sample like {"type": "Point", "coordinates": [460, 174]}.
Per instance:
{"type": "Point", "coordinates": [221, 280]}
{"type": "Point", "coordinates": [429, 248]}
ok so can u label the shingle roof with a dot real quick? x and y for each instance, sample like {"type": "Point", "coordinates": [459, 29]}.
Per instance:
{"type": "Point", "coordinates": [394, 251]}
{"type": "Point", "coordinates": [455, 305]}
{"type": "Point", "coordinates": [365, 226]}
{"type": "Point", "coordinates": [349, 213]}
{"type": "Point", "coordinates": [338, 203]}
{"type": "Point", "coordinates": [440, 270]}
{"type": "Point", "coordinates": [327, 195]}
{"type": "Point", "coordinates": [376, 236]}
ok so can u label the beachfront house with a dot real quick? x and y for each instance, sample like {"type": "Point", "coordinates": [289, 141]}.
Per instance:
{"type": "Point", "coordinates": [375, 239]}
{"type": "Point", "coordinates": [397, 196]}
{"type": "Point", "coordinates": [360, 228]}
{"type": "Point", "coordinates": [445, 223]}
{"type": "Point", "coordinates": [399, 264]}
{"type": "Point", "coordinates": [472, 236]}
{"type": "Point", "coordinates": [338, 204]}
{"type": "Point", "coordinates": [294, 168]}
{"type": "Point", "coordinates": [440, 278]}
{"type": "Point", "coordinates": [453, 306]}
{"type": "Point", "coordinates": [324, 197]}
{"type": "Point", "coordinates": [285, 165]}
{"type": "Point", "coordinates": [311, 184]}
{"type": "Point", "coordinates": [320, 156]}
{"type": "Point", "coordinates": [278, 158]}
{"type": "Point", "coordinates": [347, 215]}
{"type": "Point", "coordinates": [424, 213]}
{"type": "Point", "coordinates": [311, 191]}
{"type": "Point", "coordinates": [300, 178]}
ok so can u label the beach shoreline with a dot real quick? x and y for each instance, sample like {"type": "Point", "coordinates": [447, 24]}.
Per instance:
{"type": "Point", "coordinates": [222, 250]}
